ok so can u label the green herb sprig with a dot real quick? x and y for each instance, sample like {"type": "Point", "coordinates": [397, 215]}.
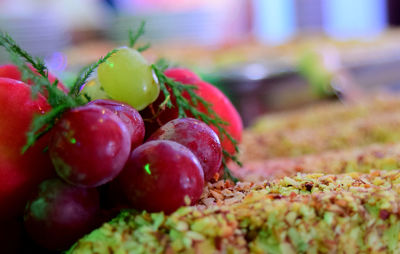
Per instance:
{"type": "Point", "coordinates": [58, 100]}
{"type": "Point", "coordinates": [85, 74]}
{"type": "Point", "coordinates": [185, 106]}
{"type": "Point", "coordinates": [9, 44]}
{"type": "Point", "coordinates": [189, 106]}
{"type": "Point", "coordinates": [134, 37]}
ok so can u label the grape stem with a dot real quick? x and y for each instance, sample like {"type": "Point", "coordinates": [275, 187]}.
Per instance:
{"type": "Point", "coordinates": [186, 106]}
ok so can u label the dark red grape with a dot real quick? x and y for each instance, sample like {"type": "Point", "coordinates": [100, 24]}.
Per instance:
{"type": "Point", "coordinates": [129, 116]}
{"type": "Point", "coordinates": [155, 118]}
{"type": "Point", "coordinates": [11, 236]}
{"type": "Point", "coordinates": [111, 198]}
{"type": "Point", "coordinates": [59, 214]}
{"type": "Point", "coordinates": [161, 175]}
{"type": "Point", "coordinates": [198, 137]}
{"type": "Point", "coordinates": [89, 146]}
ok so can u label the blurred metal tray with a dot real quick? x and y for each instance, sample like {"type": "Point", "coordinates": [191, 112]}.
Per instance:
{"type": "Point", "coordinates": [259, 88]}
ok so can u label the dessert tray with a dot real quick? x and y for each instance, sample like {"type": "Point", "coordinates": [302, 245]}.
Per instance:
{"type": "Point", "coordinates": [129, 159]}
{"type": "Point", "coordinates": [324, 179]}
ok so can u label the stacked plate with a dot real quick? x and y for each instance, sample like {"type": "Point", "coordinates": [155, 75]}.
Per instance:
{"type": "Point", "coordinates": [41, 34]}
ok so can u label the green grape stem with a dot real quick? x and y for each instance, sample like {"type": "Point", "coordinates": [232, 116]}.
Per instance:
{"type": "Point", "coordinates": [184, 105]}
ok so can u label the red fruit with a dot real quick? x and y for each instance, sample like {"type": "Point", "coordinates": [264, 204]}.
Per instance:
{"type": "Point", "coordinates": [225, 110]}
{"type": "Point", "coordinates": [59, 214]}
{"type": "Point", "coordinates": [19, 174]}
{"type": "Point", "coordinates": [89, 146]}
{"type": "Point", "coordinates": [129, 116]}
{"type": "Point", "coordinates": [156, 118]}
{"type": "Point", "coordinates": [182, 75]}
{"type": "Point", "coordinates": [12, 71]}
{"type": "Point", "coordinates": [161, 175]}
{"type": "Point", "coordinates": [11, 235]}
{"type": "Point", "coordinates": [198, 137]}
{"type": "Point", "coordinates": [221, 105]}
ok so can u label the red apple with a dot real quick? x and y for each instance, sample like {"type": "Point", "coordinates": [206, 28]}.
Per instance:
{"type": "Point", "coordinates": [12, 71]}
{"type": "Point", "coordinates": [19, 173]}
{"type": "Point", "coordinates": [154, 118]}
{"type": "Point", "coordinates": [225, 110]}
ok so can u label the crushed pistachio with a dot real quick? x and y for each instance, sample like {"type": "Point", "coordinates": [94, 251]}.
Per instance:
{"type": "Point", "coordinates": [342, 214]}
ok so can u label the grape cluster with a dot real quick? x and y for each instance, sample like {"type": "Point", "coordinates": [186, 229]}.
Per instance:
{"type": "Point", "coordinates": [103, 162]}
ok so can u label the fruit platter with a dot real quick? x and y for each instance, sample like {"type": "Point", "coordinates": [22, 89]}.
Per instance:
{"type": "Point", "coordinates": [136, 157]}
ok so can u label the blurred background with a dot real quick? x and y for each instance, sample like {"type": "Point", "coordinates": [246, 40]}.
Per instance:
{"type": "Point", "coordinates": [266, 55]}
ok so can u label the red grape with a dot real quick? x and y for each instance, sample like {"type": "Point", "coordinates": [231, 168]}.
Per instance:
{"type": "Point", "coordinates": [156, 117]}
{"type": "Point", "coordinates": [11, 235]}
{"type": "Point", "coordinates": [59, 214]}
{"type": "Point", "coordinates": [224, 109]}
{"type": "Point", "coordinates": [129, 116]}
{"type": "Point", "coordinates": [198, 137]}
{"type": "Point", "coordinates": [161, 175]}
{"type": "Point", "coordinates": [89, 146]}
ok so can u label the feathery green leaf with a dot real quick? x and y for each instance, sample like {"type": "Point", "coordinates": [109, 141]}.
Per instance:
{"type": "Point", "coordinates": [87, 72]}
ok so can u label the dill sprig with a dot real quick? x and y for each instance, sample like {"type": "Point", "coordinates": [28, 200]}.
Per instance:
{"type": "Point", "coordinates": [134, 37]}
{"type": "Point", "coordinates": [38, 75]}
{"type": "Point", "coordinates": [39, 82]}
{"type": "Point", "coordinates": [185, 106]}
{"type": "Point", "coordinates": [86, 72]}
{"type": "Point", "coordinates": [144, 47]}
{"type": "Point", "coordinates": [11, 46]}
{"type": "Point", "coordinates": [41, 124]}
{"type": "Point", "coordinates": [162, 64]}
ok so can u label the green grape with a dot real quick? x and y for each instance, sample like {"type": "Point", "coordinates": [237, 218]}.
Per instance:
{"type": "Point", "coordinates": [127, 77]}
{"type": "Point", "coordinates": [93, 90]}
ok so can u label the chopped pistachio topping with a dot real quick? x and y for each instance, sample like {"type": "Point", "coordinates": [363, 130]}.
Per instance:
{"type": "Point", "coordinates": [340, 213]}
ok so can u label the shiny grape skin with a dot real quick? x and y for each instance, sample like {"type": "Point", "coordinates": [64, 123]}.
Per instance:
{"type": "Point", "coordinates": [59, 214]}
{"type": "Point", "coordinates": [198, 137]}
{"type": "Point", "coordinates": [92, 89]}
{"type": "Point", "coordinates": [155, 118]}
{"type": "Point", "coordinates": [89, 146]}
{"type": "Point", "coordinates": [126, 76]}
{"type": "Point", "coordinates": [129, 116]}
{"type": "Point", "coordinates": [161, 175]}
